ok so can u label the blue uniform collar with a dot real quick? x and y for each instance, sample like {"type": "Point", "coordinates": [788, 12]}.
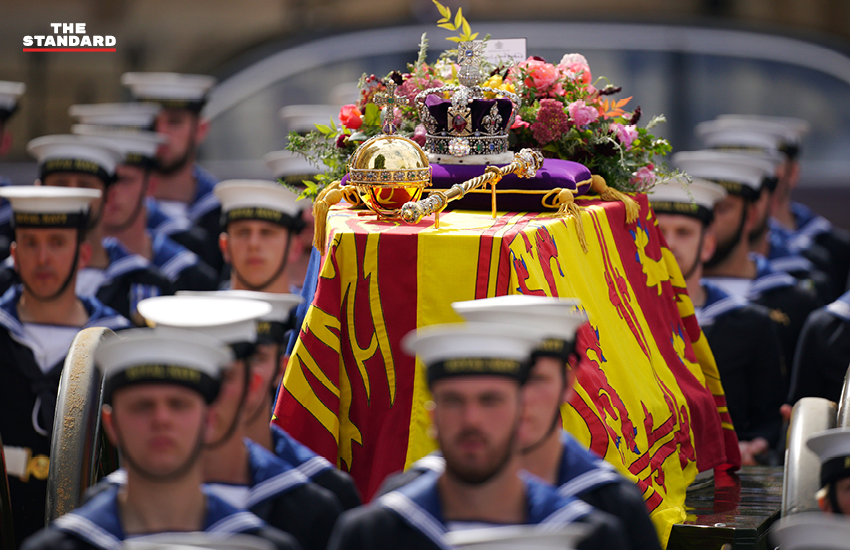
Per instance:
{"type": "Point", "coordinates": [306, 461]}
{"type": "Point", "coordinates": [121, 260]}
{"type": "Point", "coordinates": [581, 470]}
{"type": "Point", "coordinates": [98, 522]}
{"type": "Point", "coordinates": [99, 314]}
{"type": "Point", "coordinates": [841, 307]}
{"type": "Point", "coordinates": [767, 278]}
{"type": "Point", "coordinates": [717, 303]}
{"type": "Point", "coordinates": [270, 476]}
{"type": "Point", "coordinates": [418, 505]}
{"type": "Point", "coordinates": [170, 257]}
{"type": "Point", "coordinates": [205, 200]}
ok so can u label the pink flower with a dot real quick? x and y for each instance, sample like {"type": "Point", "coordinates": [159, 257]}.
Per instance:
{"type": "Point", "coordinates": [413, 85]}
{"type": "Point", "coordinates": [350, 117]}
{"type": "Point", "coordinates": [419, 135]}
{"type": "Point", "coordinates": [551, 123]}
{"type": "Point", "coordinates": [645, 176]}
{"type": "Point", "coordinates": [519, 123]}
{"type": "Point", "coordinates": [575, 67]}
{"type": "Point", "coordinates": [539, 74]}
{"type": "Point", "coordinates": [626, 134]}
{"type": "Point", "coordinates": [581, 114]}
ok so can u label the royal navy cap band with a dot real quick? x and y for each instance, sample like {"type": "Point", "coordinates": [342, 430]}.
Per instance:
{"type": "Point", "coordinates": [467, 366]}
{"type": "Point", "coordinates": [554, 347]}
{"type": "Point", "coordinates": [50, 220]}
{"type": "Point", "coordinates": [684, 209]}
{"type": "Point", "coordinates": [180, 375]}
{"type": "Point", "coordinates": [737, 188]}
{"type": "Point", "coordinates": [77, 166]}
{"type": "Point", "coordinates": [193, 105]}
{"type": "Point", "coordinates": [260, 214]}
{"type": "Point", "coordinates": [271, 332]}
{"type": "Point", "coordinates": [834, 469]}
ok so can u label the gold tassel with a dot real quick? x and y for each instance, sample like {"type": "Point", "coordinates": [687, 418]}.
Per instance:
{"type": "Point", "coordinates": [567, 208]}
{"type": "Point", "coordinates": [610, 194]}
{"type": "Point", "coordinates": [329, 196]}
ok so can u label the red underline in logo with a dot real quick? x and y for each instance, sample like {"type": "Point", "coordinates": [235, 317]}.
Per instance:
{"type": "Point", "coordinates": [69, 49]}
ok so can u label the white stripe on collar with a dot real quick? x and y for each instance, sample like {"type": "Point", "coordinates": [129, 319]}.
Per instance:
{"type": "Point", "coordinates": [588, 480]}
{"type": "Point", "coordinates": [707, 315]}
{"type": "Point", "coordinates": [313, 466]}
{"type": "Point", "coordinates": [840, 309]}
{"type": "Point", "coordinates": [576, 509]}
{"type": "Point", "coordinates": [177, 263]}
{"type": "Point", "coordinates": [791, 263]}
{"type": "Point", "coordinates": [770, 282]}
{"type": "Point", "coordinates": [236, 523]}
{"type": "Point", "coordinates": [432, 462]}
{"type": "Point", "coordinates": [88, 531]}
{"type": "Point", "coordinates": [416, 516]}
{"type": "Point", "coordinates": [203, 205]}
{"type": "Point", "coordinates": [130, 262]}
{"type": "Point", "coordinates": [274, 486]}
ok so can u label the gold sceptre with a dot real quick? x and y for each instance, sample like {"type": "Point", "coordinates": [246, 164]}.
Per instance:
{"type": "Point", "coordinates": [525, 165]}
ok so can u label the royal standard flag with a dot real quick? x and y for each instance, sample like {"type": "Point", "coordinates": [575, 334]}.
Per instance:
{"type": "Point", "coordinates": [648, 397]}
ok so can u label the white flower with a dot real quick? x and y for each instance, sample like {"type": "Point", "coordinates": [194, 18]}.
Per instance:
{"type": "Point", "coordinates": [573, 58]}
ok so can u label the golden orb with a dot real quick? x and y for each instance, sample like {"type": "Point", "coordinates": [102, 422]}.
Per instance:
{"type": "Point", "coordinates": [388, 171]}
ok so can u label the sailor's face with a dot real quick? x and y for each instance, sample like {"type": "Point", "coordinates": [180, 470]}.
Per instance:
{"type": "Point", "coordinates": [542, 397]}
{"type": "Point", "coordinates": [79, 181]}
{"type": "Point", "coordinates": [124, 197]}
{"type": "Point", "coordinates": [477, 418]}
{"type": "Point", "coordinates": [255, 249]}
{"type": "Point", "coordinates": [225, 409]}
{"type": "Point", "coordinates": [158, 426]}
{"type": "Point", "coordinates": [180, 126]}
{"type": "Point", "coordinates": [727, 218]}
{"type": "Point", "coordinates": [683, 235]}
{"type": "Point", "coordinates": [44, 258]}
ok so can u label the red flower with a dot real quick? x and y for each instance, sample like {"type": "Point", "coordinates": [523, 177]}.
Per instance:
{"type": "Point", "coordinates": [351, 117]}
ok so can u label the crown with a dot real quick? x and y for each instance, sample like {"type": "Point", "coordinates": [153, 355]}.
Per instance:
{"type": "Point", "coordinates": [463, 125]}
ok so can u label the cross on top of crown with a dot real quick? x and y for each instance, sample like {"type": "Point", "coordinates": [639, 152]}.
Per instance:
{"type": "Point", "coordinates": [469, 58]}
{"type": "Point", "coordinates": [387, 101]}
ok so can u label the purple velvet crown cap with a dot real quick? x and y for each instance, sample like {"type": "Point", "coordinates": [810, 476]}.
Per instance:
{"type": "Point", "coordinates": [479, 108]}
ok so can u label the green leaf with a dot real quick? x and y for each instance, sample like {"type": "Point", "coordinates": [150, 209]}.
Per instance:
{"type": "Point", "coordinates": [454, 39]}
{"type": "Point", "coordinates": [466, 30]}
{"type": "Point", "coordinates": [553, 147]}
{"type": "Point", "coordinates": [459, 18]}
{"type": "Point", "coordinates": [324, 129]}
{"type": "Point", "coordinates": [371, 115]}
{"type": "Point", "coordinates": [448, 26]}
{"type": "Point", "coordinates": [443, 20]}
{"type": "Point", "coordinates": [471, 38]}
{"type": "Point", "coordinates": [444, 11]}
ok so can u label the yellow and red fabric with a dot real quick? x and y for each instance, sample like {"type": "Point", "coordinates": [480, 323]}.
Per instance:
{"type": "Point", "coordinates": [648, 396]}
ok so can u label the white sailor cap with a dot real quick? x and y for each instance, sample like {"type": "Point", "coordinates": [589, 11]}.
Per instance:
{"type": "Point", "coordinates": [511, 537]}
{"type": "Point", "coordinates": [833, 449]}
{"type": "Point", "coordinates": [71, 153]}
{"type": "Point", "coordinates": [259, 200]}
{"type": "Point", "coordinates": [286, 164]}
{"type": "Point", "coordinates": [171, 90]}
{"type": "Point", "coordinates": [737, 134]}
{"type": "Point", "coordinates": [463, 349]}
{"type": "Point", "coordinates": [162, 355]}
{"type": "Point", "coordinates": [811, 531]}
{"type": "Point", "coordinates": [695, 199]}
{"type": "Point", "coordinates": [739, 174]}
{"type": "Point", "coordinates": [303, 118]}
{"type": "Point", "coordinates": [43, 206]}
{"type": "Point", "coordinates": [196, 540]}
{"type": "Point", "coordinates": [138, 146]}
{"type": "Point", "coordinates": [271, 328]}
{"type": "Point", "coordinates": [127, 115]}
{"type": "Point", "coordinates": [557, 319]}
{"type": "Point", "coordinates": [232, 321]}
{"type": "Point", "coordinates": [9, 94]}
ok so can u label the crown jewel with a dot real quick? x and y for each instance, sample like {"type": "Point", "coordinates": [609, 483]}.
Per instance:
{"type": "Point", "coordinates": [469, 124]}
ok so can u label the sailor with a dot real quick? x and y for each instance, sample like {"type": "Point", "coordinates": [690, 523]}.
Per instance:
{"type": "Point", "coordinates": [10, 94]}
{"type": "Point", "coordinates": [763, 141]}
{"type": "Point", "coordinates": [833, 449]}
{"type": "Point", "coordinates": [125, 211]}
{"type": "Point", "coordinates": [116, 276]}
{"type": "Point", "coordinates": [475, 372]}
{"type": "Point", "coordinates": [732, 267]}
{"type": "Point", "coordinates": [38, 320]}
{"type": "Point", "coordinates": [267, 365]}
{"type": "Point", "coordinates": [823, 353]}
{"type": "Point", "coordinates": [158, 385]}
{"type": "Point", "coordinates": [261, 222]}
{"type": "Point", "coordinates": [185, 190]}
{"type": "Point", "coordinates": [239, 470]}
{"type": "Point", "coordinates": [743, 337]}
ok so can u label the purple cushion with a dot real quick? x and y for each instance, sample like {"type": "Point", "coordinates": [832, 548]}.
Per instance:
{"type": "Point", "coordinates": [554, 173]}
